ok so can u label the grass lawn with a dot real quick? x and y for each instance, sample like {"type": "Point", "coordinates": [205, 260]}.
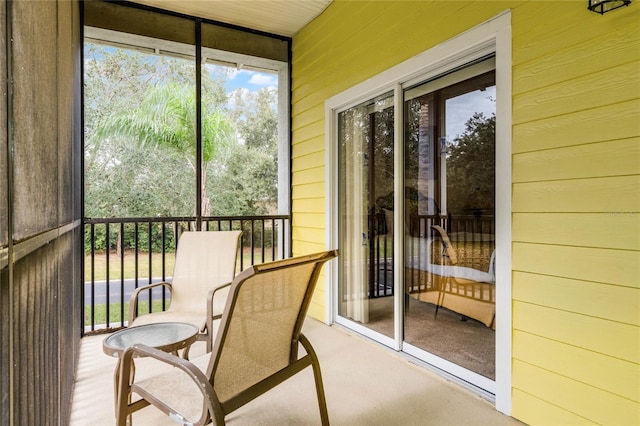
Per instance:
{"type": "Point", "coordinates": [129, 262]}
{"type": "Point", "coordinates": [127, 267]}
{"type": "Point", "coordinates": [115, 265]}
{"type": "Point", "coordinates": [114, 312]}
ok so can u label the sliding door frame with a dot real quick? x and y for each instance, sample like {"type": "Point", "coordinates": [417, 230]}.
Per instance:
{"type": "Point", "coordinates": [492, 37]}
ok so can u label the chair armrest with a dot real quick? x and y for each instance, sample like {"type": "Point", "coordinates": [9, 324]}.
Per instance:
{"type": "Point", "coordinates": [133, 303]}
{"type": "Point", "coordinates": [210, 296]}
{"type": "Point", "coordinates": [193, 372]}
{"type": "Point", "coordinates": [211, 315]}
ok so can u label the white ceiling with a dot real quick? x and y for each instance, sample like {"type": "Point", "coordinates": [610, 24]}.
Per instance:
{"type": "Point", "coordinates": [283, 17]}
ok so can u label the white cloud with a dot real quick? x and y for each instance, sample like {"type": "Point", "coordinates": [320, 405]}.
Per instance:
{"type": "Point", "coordinates": [263, 80]}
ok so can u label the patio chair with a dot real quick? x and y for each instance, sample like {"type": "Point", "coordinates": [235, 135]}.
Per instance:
{"type": "Point", "coordinates": [460, 283]}
{"type": "Point", "coordinates": [205, 260]}
{"type": "Point", "coordinates": [255, 349]}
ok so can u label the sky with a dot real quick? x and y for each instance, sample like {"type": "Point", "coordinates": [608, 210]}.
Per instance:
{"type": "Point", "coordinates": [461, 108]}
{"type": "Point", "coordinates": [249, 79]}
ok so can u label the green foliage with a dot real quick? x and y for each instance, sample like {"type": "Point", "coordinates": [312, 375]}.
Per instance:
{"type": "Point", "coordinates": [166, 118]}
{"type": "Point", "coordinates": [471, 168]}
{"type": "Point", "coordinates": [140, 139]}
{"type": "Point", "coordinates": [128, 239]}
{"type": "Point", "coordinates": [250, 176]}
{"type": "Point", "coordinates": [257, 119]}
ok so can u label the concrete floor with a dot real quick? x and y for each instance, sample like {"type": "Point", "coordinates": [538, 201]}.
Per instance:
{"type": "Point", "coordinates": [365, 384]}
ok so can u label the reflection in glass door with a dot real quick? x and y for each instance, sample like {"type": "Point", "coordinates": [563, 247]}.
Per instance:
{"type": "Point", "coordinates": [449, 205]}
{"type": "Point", "coordinates": [447, 209]}
{"type": "Point", "coordinates": [365, 138]}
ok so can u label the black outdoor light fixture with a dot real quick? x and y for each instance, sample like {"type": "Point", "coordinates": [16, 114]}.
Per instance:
{"type": "Point", "coordinates": [604, 6]}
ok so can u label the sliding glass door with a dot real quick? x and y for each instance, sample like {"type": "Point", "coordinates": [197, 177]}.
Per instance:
{"type": "Point", "coordinates": [436, 298]}
{"type": "Point", "coordinates": [366, 204]}
{"type": "Point", "coordinates": [449, 203]}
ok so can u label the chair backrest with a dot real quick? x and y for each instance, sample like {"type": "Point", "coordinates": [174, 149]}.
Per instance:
{"type": "Point", "coordinates": [204, 260]}
{"type": "Point", "coordinates": [261, 323]}
{"type": "Point", "coordinates": [447, 247]}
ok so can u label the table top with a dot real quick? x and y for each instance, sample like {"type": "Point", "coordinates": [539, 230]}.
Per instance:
{"type": "Point", "coordinates": [166, 336]}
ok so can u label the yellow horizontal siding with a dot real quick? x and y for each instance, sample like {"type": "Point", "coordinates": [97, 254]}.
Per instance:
{"type": "Point", "coordinates": [618, 48]}
{"type": "Point", "coordinates": [581, 399]}
{"type": "Point", "coordinates": [535, 411]}
{"type": "Point", "coordinates": [600, 230]}
{"type": "Point", "coordinates": [310, 190]}
{"type": "Point", "coordinates": [305, 246]}
{"type": "Point", "coordinates": [613, 195]}
{"type": "Point", "coordinates": [310, 134]}
{"type": "Point", "coordinates": [310, 220]}
{"type": "Point", "coordinates": [308, 234]}
{"type": "Point", "coordinates": [336, 30]}
{"type": "Point", "coordinates": [606, 301]}
{"type": "Point", "coordinates": [307, 147]}
{"type": "Point", "coordinates": [605, 123]}
{"type": "Point", "coordinates": [305, 116]}
{"type": "Point", "coordinates": [308, 205]}
{"type": "Point", "coordinates": [541, 31]}
{"type": "Point", "coordinates": [307, 162]}
{"type": "Point", "coordinates": [606, 373]}
{"type": "Point", "coordinates": [611, 158]}
{"type": "Point", "coordinates": [316, 308]}
{"type": "Point", "coordinates": [360, 51]}
{"type": "Point", "coordinates": [621, 267]}
{"type": "Point", "coordinates": [576, 197]}
{"type": "Point", "coordinates": [608, 86]}
{"type": "Point", "coordinates": [606, 337]}
{"type": "Point", "coordinates": [309, 176]}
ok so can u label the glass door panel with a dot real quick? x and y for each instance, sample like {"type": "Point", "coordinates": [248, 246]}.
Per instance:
{"type": "Point", "coordinates": [365, 135]}
{"type": "Point", "coordinates": [449, 203]}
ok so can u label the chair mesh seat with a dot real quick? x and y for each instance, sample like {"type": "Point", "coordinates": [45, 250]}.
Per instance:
{"type": "Point", "coordinates": [174, 387]}
{"type": "Point", "coordinates": [195, 318]}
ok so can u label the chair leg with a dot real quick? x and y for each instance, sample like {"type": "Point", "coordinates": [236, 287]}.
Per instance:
{"type": "Point", "coordinates": [322, 402]}
{"type": "Point", "coordinates": [317, 375]}
{"type": "Point", "coordinates": [443, 283]}
{"type": "Point", "coordinates": [439, 302]}
{"type": "Point", "coordinates": [123, 397]}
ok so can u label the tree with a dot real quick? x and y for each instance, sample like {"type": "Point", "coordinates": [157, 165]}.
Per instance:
{"type": "Point", "coordinates": [124, 179]}
{"type": "Point", "coordinates": [140, 138]}
{"type": "Point", "coordinates": [471, 168]}
{"type": "Point", "coordinates": [166, 119]}
{"type": "Point", "coordinates": [247, 185]}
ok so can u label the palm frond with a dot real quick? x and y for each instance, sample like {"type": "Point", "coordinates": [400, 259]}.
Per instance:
{"type": "Point", "coordinates": [167, 118]}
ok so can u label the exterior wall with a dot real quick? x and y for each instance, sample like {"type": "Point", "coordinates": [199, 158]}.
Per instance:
{"type": "Point", "coordinates": [576, 215]}
{"type": "Point", "coordinates": [576, 182]}
{"type": "Point", "coordinates": [351, 42]}
{"type": "Point", "coordinates": [41, 210]}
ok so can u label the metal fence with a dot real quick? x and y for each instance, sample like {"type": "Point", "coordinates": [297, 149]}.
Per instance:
{"type": "Point", "coordinates": [123, 254]}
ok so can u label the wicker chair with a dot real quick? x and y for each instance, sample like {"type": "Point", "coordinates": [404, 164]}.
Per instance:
{"type": "Point", "coordinates": [255, 349]}
{"type": "Point", "coordinates": [205, 260]}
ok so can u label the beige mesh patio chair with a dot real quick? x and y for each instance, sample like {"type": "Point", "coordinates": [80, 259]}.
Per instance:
{"type": "Point", "coordinates": [205, 260]}
{"type": "Point", "coordinates": [469, 291]}
{"type": "Point", "coordinates": [255, 349]}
